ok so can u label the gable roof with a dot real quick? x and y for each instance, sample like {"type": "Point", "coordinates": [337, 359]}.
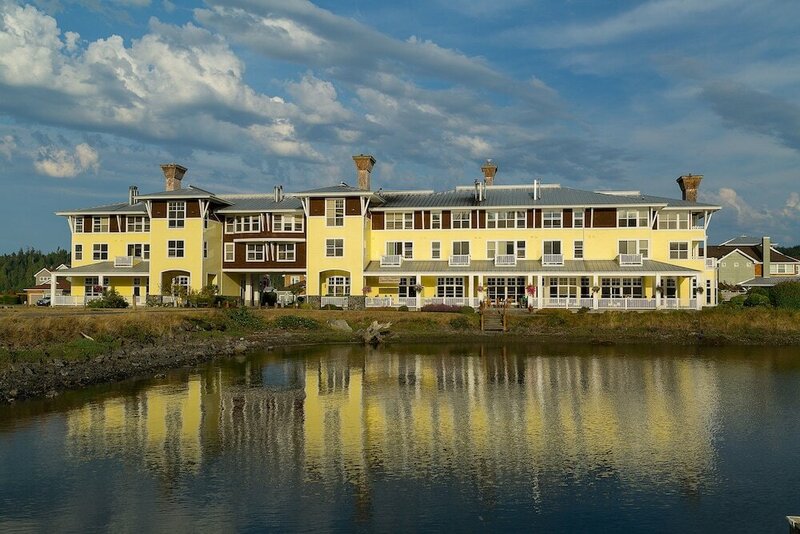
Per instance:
{"type": "Point", "coordinates": [259, 203]}
{"type": "Point", "coordinates": [120, 208]}
{"type": "Point", "coordinates": [755, 253]}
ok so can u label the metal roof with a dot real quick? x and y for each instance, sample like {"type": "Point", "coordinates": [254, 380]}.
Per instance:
{"type": "Point", "coordinates": [743, 240]}
{"type": "Point", "coordinates": [258, 203]}
{"type": "Point", "coordinates": [107, 268]}
{"type": "Point", "coordinates": [186, 192]}
{"type": "Point", "coordinates": [523, 197]}
{"type": "Point", "coordinates": [526, 266]}
{"type": "Point", "coordinates": [771, 281]}
{"type": "Point", "coordinates": [120, 208]}
{"type": "Point", "coordinates": [340, 188]}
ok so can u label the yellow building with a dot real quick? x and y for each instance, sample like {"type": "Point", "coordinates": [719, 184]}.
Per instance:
{"type": "Point", "coordinates": [535, 245]}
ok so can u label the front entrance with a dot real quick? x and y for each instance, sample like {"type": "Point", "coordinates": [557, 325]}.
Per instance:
{"type": "Point", "coordinates": [499, 289]}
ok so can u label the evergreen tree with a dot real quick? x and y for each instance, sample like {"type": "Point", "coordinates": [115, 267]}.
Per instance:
{"type": "Point", "coordinates": [17, 269]}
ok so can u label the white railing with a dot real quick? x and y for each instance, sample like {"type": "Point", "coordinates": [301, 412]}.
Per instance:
{"type": "Point", "coordinates": [137, 301]}
{"type": "Point", "coordinates": [693, 304]}
{"type": "Point", "coordinates": [630, 259]}
{"type": "Point", "coordinates": [67, 300]}
{"type": "Point", "coordinates": [285, 298]}
{"type": "Point", "coordinates": [391, 260]}
{"type": "Point", "coordinates": [671, 303]}
{"type": "Point", "coordinates": [626, 304]}
{"type": "Point", "coordinates": [169, 299]}
{"type": "Point", "coordinates": [698, 227]}
{"type": "Point", "coordinates": [378, 302]}
{"type": "Point", "coordinates": [552, 259]}
{"type": "Point", "coordinates": [340, 302]}
{"type": "Point", "coordinates": [505, 260]}
{"type": "Point", "coordinates": [452, 301]}
{"type": "Point", "coordinates": [568, 302]}
{"type": "Point", "coordinates": [459, 260]}
{"type": "Point", "coordinates": [123, 261]}
{"type": "Point", "coordinates": [711, 263]}
{"type": "Point", "coordinates": [411, 302]}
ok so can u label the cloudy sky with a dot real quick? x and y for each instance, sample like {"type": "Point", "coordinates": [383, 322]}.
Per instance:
{"type": "Point", "coordinates": [95, 94]}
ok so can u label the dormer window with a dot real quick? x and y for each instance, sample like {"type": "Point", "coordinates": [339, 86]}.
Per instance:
{"type": "Point", "coordinates": [176, 214]}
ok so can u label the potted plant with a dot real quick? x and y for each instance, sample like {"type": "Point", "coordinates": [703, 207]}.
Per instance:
{"type": "Point", "coordinates": [595, 289]}
{"type": "Point", "coordinates": [530, 292]}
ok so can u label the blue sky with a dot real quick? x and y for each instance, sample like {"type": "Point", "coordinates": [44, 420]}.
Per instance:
{"type": "Point", "coordinates": [95, 94]}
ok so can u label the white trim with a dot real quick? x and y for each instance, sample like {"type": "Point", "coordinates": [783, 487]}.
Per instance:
{"type": "Point", "coordinates": [325, 247]}
{"type": "Point", "coordinates": [265, 269]}
{"type": "Point", "coordinates": [225, 252]}
{"type": "Point", "coordinates": [270, 239]}
{"type": "Point", "coordinates": [247, 254]}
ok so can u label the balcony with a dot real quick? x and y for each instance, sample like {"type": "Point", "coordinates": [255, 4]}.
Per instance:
{"type": "Point", "coordinates": [505, 260]}
{"type": "Point", "coordinates": [629, 259]}
{"type": "Point", "coordinates": [391, 260]}
{"type": "Point", "coordinates": [552, 259]}
{"type": "Point", "coordinates": [459, 260]}
{"type": "Point", "coordinates": [123, 261]}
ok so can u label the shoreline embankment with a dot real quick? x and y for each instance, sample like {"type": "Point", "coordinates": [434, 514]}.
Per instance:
{"type": "Point", "coordinates": [45, 352]}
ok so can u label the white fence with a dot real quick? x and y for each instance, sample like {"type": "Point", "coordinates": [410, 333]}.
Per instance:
{"type": "Point", "coordinates": [391, 260]}
{"type": "Point", "coordinates": [340, 302]}
{"type": "Point", "coordinates": [552, 259]}
{"type": "Point", "coordinates": [568, 302]}
{"type": "Point", "coordinates": [459, 260]}
{"type": "Point", "coordinates": [630, 259]}
{"type": "Point", "coordinates": [378, 302]}
{"type": "Point", "coordinates": [505, 260]}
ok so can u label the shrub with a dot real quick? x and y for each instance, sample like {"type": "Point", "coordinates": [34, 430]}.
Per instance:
{"type": "Point", "coordinates": [305, 306]}
{"type": "Point", "coordinates": [737, 301]}
{"type": "Point", "coordinates": [460, 323]}
{"type": "Point", "coordinates": [758, 291]}
{"type": "Point", "coordinates": [786, 295]}
{"type": "Point", "coordinates": [243, 318]}
{"type": "Point", "coordinates": [330, 307]}
{"type": "Point", "coordinates": [467, 310]}
{"type": "Point", "coordinates": [757, 299]}
{"type": "Point", "coordinates": [110, 299]}
{"type": "Point", "coordinates": [271, 298]}
{"type": "Point", "coordinates": [293, 322]}
{"type": "Point", "coordinates": [446, 308]}
{"type": "Point", "coordinates": [403, 308]}
{"type": "Point", "coordinates": [9, 299]}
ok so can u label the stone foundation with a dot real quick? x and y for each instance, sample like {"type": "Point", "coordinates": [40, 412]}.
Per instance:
{"type": "Point", "coordinates": [315, 301]}
{"type": "Point", "coordinates": [356, 302]}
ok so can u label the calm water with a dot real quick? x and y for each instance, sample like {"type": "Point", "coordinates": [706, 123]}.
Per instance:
{"type": "Point", "coordinates": [340, 438]}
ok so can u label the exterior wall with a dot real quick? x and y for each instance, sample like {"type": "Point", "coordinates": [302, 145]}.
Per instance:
{"type": "Point", "coordinates": [352, 263]}
{"type": "Point", "coordinates": [212, 265]}
{"type": "Point", "coordinates": [192, 236]}
{"type": "Point", "coordinates": [731, 273]}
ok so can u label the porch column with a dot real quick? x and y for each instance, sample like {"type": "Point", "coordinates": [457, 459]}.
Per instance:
{"type": "Point", "coordinates": [540, 292]}
{"type": "Point", "coordinates": [698, 302]}
{"type": "Point", "coordinates": [53, 284]}
{"type": "Point", "coordinates": [468, 290]}
{"type": "Point", "coordinates": [595, 295]}
{"type": "Point", "coordinates": [101, 280]}
{"type": "Point", "coordinates": [657, 294]}
{"type": "Point", "coordinates": [528, 298]}
{"type": "Point", "coordinates": [248, 289]}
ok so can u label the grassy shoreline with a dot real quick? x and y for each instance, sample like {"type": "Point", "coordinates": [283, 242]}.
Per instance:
{"type": "Point", "coordinates": [47, 351]}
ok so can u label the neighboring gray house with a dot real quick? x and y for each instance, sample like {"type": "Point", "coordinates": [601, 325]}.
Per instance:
{"type": "Point", "coordinates": [742, 260]}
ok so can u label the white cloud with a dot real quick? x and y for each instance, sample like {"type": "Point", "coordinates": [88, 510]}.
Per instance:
{"type": "Point", "coordinates": [317, 100]}
{"type": "Point", "coordinates": [61, 163]}
{"type": "Point", "coordinates": [7, 146]}
{"type": "Point", "coordinates": [746, 215]}
{"type": "Point", "coordinates": [792, 207]}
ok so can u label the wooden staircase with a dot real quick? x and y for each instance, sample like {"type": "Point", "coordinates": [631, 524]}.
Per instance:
{"type": "Point", "coordinates": [493, 319]}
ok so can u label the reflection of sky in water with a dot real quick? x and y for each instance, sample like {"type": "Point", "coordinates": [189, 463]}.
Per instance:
{"type": "Point", "coordinates": [444, 437]}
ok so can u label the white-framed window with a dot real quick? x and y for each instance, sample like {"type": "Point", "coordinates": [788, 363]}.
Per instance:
{"type": "Point", "coordinates": [449, 286]}
{"type": "Point", "coordinates": [205, 250]}
{"type": "Point", "coordinates": [436, 220]}
{"type": "Point", "coordinates": [99, 224]}
{"type": "Point", "coordinates": [339, 286]}
{"type": "Point", "coordinates": [577, 250]}
{"type": "Point", "coordinates": [461, 219]}
{"type": "Point", "coordinates": [285, 251]}
{"type": "Point", "coordinates": [505, 219]}
{"type": "Point", "coordinates": [230, 251]}
{"type": "Point", "coordinates": [551, 247]}
{"type": "Point", "coordinates": [673, 220]}
{"type": "Point", "coordinates": [287, 223]}
{"type": "Point", "coordinates": [493, 248]}
{"type": "Point", "coordinates": [181, 281]}
{"type": "Point", "coordinates": [175, 248]}
{"type": "Point", "coordinates": [634, 246]}
{"type": "Point", "coordinates": [100, 251]}
{"type": "Point", "coordinates": [176, 214]}
{"type": "Point", "coordinates": [256, 252]}
{"type": "Point", "coordinates": [399, 220]}
{"type": "Point", "coordinates": [552, 218]}
{"type": "Point", "coordinates": [79, 225]}
{"type": "Point", "coordinates": [631, 218]}
{"type": "Point", "coordinates": [78, 255]}
{"type": "Point", "coordinates": [400, 248]}
{"type": "Point", "coordinates": [521, 250]}
{"type": "Point", "coordinates": [621, 287]}
{"type": "Point", "coordinates": [243, 224]}
{"type": "Point", "coordinates": [460, 248]}
{"type": "Point", "coordinates": [91, 286]}
{"type": "Point", "coordinates": [138, 224]}
{"type": "Point", "coordinates": [436, 250]}
{"type": "Point", "coordinates": [407, 287]}
{"type": "Point", "coordinates": [334, 212]}
{"type": "Point", "coordinates": [334, 248]}
{"type": "Point", "coordinates": [679, 250]}
{"type": "Point", "coordinates": [578, 220]}
{"type": "Point", "coordinates": [139, 250]}
{"type": "Point", "coordinates": [781, 268]}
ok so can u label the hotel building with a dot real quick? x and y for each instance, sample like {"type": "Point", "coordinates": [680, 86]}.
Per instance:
{"type": "Point", "coordinates": [538, 245]}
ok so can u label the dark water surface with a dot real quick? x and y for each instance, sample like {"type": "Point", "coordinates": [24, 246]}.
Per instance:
{"type": "Point", "coordinates": [437, 437]}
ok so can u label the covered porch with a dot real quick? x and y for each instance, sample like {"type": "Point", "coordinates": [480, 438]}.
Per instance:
{"type": "Point", "coordinates": [593, 285]}
{"type": "Point", "coordinates": [251, 286]}
{"type": "Point", "coordinates": [130, 279]}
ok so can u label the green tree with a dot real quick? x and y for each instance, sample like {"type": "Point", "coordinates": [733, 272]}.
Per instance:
{"type": "Point", "coordinates": [18, 268]}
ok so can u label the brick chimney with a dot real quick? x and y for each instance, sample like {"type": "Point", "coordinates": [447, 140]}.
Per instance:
{"type": "Point", "coordinates": [489, 170]}
{"type": "Point", "coordinates": [364, 164]}
{"type": "Point", "coordinates": [689, 185]}
{"type": "Point", "coordinates": [766, 260]}
{"type": "Point", "coordinates": [173, 174]}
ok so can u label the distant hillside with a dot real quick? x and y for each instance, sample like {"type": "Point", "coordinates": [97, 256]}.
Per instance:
{"type": "Point", "coordinates": [17, 269]}
{"type": "Point", "coordinates": [794, 251]}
